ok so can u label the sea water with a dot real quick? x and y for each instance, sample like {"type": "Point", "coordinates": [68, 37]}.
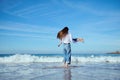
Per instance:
{"type": "Point", "coordinates": [50, 67]}
{"type": "Point", "coordinates": [76, 58]}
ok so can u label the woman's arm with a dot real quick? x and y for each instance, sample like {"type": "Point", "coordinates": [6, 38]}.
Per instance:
{"type": "Point", "coordinates": [59, 43]}
{"type": "Point", "coordinates": [74, 39]}
{"type": "Point", "coordinates": [78, 40]}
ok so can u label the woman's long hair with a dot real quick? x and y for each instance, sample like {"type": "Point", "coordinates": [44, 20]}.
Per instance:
{"type": "Point", "coordinates": [62, 33]}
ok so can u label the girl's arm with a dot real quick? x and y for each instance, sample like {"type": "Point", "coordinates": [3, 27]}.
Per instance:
{"type": "Point", "coordinates": [74, 39]}
{"type": "Point", "coordinates": [78, 40]}
{"type": "Point", "coordinates": [59, 43]}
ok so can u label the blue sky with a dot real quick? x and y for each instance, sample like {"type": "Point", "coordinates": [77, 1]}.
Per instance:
{"type": "Point", "coordinates": [31, 26]}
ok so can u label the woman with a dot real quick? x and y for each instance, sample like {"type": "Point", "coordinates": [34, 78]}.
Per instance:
{"type": "Point", "coordinates": [66, 38]}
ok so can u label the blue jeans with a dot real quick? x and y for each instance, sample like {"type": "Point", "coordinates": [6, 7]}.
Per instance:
{"type": "Point", "coordinates": [67, 53]}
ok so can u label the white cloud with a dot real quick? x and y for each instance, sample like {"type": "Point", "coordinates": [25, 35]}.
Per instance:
{"type": "Point", "coordinates": [27, 35]}
{"type": "Point", "coordinates": [32, 11]}
{"type": "Point", "coordinates": [27, 27]}
{"type": "Point", "coordinates": [8, 5]}
{"type": "Point", "coordinates": [102, 25]}
{"type": "Point", "coordinates": [28, 30]}
{"type": "Point", "coordinates": [86, 7]}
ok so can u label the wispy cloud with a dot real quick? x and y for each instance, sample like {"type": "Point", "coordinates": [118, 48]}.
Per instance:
{"type": "Point", "coordinates": [8, 5]}
{"type": "Point", "coordinates": [86, 7]}
{"type": "Point", "coordinates": [97, 31]}
{"type": "Point", "coordinates": [27, 27]}
{"type": "Point", "coordinates": [106, 24]}
{"type": "Point", "coordinates": [27, 35]}
{"type": "Point", "coordinates": [25, 11]}
{"type": "Point", "coordinates": [31, 30]}
{"type": "Point", "coordinates": [32, 11]}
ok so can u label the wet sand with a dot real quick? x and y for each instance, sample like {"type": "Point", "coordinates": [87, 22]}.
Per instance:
{"type": "Point", "coordinates": [55, 71]}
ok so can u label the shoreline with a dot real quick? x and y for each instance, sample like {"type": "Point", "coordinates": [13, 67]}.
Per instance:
{"type": "Point", "coordinates": [53, 71]}
{"type": "Point", "coordinates": [117, 52]}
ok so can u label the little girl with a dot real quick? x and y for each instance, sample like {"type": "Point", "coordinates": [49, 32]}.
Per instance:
{"type": "Point", "coordinates": [65, 39]}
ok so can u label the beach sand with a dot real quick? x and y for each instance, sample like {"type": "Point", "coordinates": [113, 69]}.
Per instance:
{"type": "Point", "coordinates": [55, 71]}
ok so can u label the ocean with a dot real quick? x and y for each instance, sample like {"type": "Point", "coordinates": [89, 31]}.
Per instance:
{"type": "Point", "coordinates": [76, 58]}
{"type": "Point", "coordinates": [50, 67]}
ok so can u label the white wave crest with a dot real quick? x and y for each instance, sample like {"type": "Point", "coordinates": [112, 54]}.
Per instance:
{"type": "Point", "coordinates": [29, 58]}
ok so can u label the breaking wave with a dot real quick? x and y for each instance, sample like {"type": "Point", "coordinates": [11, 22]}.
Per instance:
{"type": "Point", "coordinates": [17, 58]}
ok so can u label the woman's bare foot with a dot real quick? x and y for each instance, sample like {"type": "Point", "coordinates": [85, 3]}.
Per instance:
{"type": "Point", "coordinates": [66, 65]}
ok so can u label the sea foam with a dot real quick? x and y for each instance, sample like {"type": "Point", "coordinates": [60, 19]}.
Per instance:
{"type": "Point", "coordinates": [18, 58]}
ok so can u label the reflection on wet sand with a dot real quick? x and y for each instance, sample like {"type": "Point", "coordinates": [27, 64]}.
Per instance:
{"type": "Point", "coordinates": [67, 74]}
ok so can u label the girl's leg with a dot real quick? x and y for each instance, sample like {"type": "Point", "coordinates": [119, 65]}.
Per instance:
{"type": "Point", "coordinates": [65, 51]}
{"type": "Point", "coordinates": [65, 55]}
{"type": "Point", "coordinates": [68, 54]}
